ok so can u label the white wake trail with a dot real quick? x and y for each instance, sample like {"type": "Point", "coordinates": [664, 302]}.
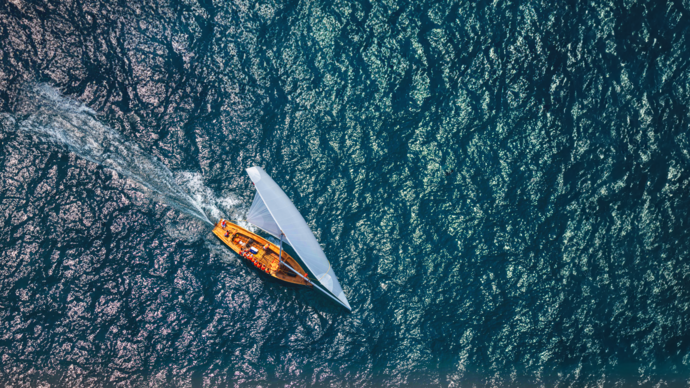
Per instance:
{"type": "Point", "coordinates": [63, 121]}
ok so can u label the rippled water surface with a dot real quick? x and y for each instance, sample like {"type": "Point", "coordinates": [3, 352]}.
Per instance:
{"type": "Point", "coordinates": [502, 189]}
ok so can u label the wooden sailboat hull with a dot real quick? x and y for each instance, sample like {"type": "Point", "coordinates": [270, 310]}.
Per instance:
{"type": "Point", "coordinates": [265, 259]}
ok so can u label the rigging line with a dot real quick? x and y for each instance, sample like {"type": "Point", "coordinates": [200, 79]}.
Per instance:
{"type": "Point", "coordinates": [312, 283]}
{"type": "Point", "coordinates": [325, 273]}
{"type": "Point", "coordinates": [280, 257]}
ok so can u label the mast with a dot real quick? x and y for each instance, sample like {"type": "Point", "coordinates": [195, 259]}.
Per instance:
{"type": "Point", "coordinates": [280, 255]}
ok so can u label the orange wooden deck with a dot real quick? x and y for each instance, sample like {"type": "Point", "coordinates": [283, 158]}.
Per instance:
{"type": "Point", "coordinates": [240, 240]}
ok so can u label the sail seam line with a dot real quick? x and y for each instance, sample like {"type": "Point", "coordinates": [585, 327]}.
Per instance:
{"type": "Point", "coordinates": [326, 273]}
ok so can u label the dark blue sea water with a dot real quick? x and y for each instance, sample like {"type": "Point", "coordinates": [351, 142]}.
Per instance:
{"type": "Point", "coordinates": [502, 188]}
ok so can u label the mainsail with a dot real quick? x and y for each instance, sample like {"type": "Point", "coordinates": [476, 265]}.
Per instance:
{"type": "Point", "coordinates": [273, 212]}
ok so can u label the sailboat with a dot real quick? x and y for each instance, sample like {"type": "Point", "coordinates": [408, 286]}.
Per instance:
{"type": "Point", "coordinates": [273, 212]}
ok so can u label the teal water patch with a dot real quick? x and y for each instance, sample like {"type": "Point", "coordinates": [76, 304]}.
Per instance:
{"type": "Point", "coordinates": [501, 189]}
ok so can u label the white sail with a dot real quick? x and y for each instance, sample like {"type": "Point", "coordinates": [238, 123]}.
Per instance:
{"type": "Point", "coordinates": [260, 216]}
{"type": "Point", "coordinates": [296, 231]}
